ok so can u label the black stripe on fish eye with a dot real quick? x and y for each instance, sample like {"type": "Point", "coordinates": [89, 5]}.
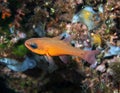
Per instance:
{"type": "Point", "coordinates": [33, 45]}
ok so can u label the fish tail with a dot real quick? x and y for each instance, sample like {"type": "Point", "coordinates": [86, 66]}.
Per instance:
{"type": "Point", "coordinates": [90, 56]}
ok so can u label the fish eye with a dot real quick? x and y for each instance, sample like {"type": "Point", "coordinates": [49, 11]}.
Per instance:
{"type": "Point", "coordinates": [33, 45]}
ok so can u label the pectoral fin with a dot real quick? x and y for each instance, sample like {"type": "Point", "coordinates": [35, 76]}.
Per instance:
{"type": "Point", "coordinates": [52, 66]}
{"type": "Point", "coordinates": [65, 59]}
{"type": "Point", "coordinates": [39, 51]}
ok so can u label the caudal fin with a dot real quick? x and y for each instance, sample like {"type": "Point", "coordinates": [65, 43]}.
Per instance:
{"type": "Point", "coordinates": [90, 56]}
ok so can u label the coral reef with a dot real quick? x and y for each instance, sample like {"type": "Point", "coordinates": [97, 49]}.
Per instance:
{"type": "Point", "coordinates": [85, 24]}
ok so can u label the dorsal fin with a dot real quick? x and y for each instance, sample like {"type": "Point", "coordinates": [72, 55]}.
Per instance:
{"type": "Point", "coordinates": [64, 36]}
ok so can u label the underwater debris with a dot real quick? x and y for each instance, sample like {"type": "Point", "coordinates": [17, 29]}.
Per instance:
{"type": "Point", "coordinates": [95, 3]}
{"type": "Point", "coordinates": [29, 62]}
{"type": "Point", "coordinates": [101, 68]}
{"type": "Point", "coordinates": [18, 36]}
{"type": "Point", "coordinates": [18, 66]}
{"type": "Point", "coordinates": [5, 13]}
{"type": "Point", "coordinates": [115, 59]}
{"type": "Point", "coordinates": [115, 67]}
{"type": "Point", "coordinates": [87, 45]}
{"type": "Point", "coordinates": [88, 17]}
{"type": "Point", "coordinates": [40, 29]}
{"type": "Point", "coordinates": [21, 35]}
{"type": "Point", "coordinates": [77, 31]}
{"type": "Point", "coordinates": [96, 39]}
{"type": "Point", "coordinates": [51, 31]}
{"type": "Point", "coordinates": [114, 47]}
{"type": "Point", "coordinates": [12, 28]}
{"type": "Point", "coordinates": [114, 50]}
{"type": "Point", "coordinates": [49, 18]}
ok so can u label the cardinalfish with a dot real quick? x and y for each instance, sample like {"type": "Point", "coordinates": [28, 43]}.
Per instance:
{"type": "Point", "coordinates": [57, 47]}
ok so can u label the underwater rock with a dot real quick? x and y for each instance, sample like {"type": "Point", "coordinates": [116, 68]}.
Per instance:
{"type": "Point", "coordinates": [29, 63]}
{"type": "Point", "coordinates": [101, 68]}
{"type": "Point", "coordinates": [87, 45]}
{"type": "Point", "coordinates": [100, 8]}
{"type": "Point", "coordinates": [115, 71]}
{"type": "Point", "coordinates": [21, 35]}
{"type": "Point", "coordinates": [39, 30]}
{"type": "Point", "coordinates": [94, 65]}
{"type": "Point", "coordinates": [115, 59]}
{"type": "Point", "coordinates": [88, 17]}
{"type": "Point", "coordinates": [114, 50]}
{"type": "Point", "coordinates": [52, 31]}
{"type": "Point", "coordinates": [11, 28]}
{"type": "Point", "coordinates": [4, 88]}
{"type": "Point", "coordinates": [18, 36]}
{"type": "Point", "coordinates": [19, 66]}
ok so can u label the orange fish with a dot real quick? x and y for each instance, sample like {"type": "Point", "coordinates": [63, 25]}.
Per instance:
{"type": "Point", "coordinates": [56, 47]}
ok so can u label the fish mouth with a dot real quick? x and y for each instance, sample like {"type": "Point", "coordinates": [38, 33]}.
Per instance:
{"type": "Point", "coordinates": [27, 44]}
